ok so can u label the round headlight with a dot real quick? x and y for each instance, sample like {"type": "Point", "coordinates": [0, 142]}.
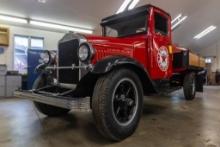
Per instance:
{"type": "Point", "coordinates": [44, 58]}
{"type": "Point", "coordinates": [84, 53]}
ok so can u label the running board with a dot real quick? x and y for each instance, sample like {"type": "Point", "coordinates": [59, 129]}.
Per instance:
{"type": "Point", "coordinates": [75, 104]}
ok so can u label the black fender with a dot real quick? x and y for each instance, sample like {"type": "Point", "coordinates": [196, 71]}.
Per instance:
{"type": "Point", "coordinates": [107, 64]}
{"type": "Point", "coordinates": [110, 63]}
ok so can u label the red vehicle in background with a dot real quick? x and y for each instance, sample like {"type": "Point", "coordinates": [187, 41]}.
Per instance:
{"type": "Point", "coordinates": [110, 74]}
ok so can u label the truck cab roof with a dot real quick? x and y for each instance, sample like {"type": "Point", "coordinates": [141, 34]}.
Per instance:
{"type": "Point", "coordinates": [127, 14]}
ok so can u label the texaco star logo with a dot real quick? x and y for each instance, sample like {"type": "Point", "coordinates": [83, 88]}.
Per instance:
{"type": "Point", "coordinates": [163, 58]}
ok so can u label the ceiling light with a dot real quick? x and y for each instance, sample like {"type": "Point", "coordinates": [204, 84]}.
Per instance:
{"type": "Point", "coordinates": [176, 18]}
{"type": "Point", "coordinates": [60, 27]}
{"type": "Point", "coordinates": [179, 22]}
{"type": "Point", "coordinates": [205, 32]}
{"type": "Point", "coordinates": [13, 19]}
{"type": "Point", "coordinates": [133, 4]}
{"type": "Point", "coordinates": [42, 1]}
{"type": "Point", "coordinates": [124, 6]}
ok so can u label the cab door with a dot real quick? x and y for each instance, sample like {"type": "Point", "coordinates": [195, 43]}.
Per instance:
{"type": "Point", "coordinates": [160, 52]}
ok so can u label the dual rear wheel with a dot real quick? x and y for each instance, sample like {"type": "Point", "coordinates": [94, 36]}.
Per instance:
{"type": "Point", "coordinates": [189, 86]}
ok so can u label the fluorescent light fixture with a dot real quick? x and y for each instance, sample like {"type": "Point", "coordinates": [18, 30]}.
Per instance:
{"type": "Point", "coordinates": [13, 19]}
{"type": "Point", "coordinates": [124, 6]}
{"type": "Point", "coordinates": [60, 27]}
{"type": "Point", "coordinates": [133, 4]}
{"type": "Point", "coordinates": [42, 1]}
{"type": "Point", "coordinates": [205, 32]}
{"type": "Point", "coordinates": [179, 22]}
{"type": "Point", "coordinates": [176, 18]}
{"type": "Point", "coordinates": [44, 24]}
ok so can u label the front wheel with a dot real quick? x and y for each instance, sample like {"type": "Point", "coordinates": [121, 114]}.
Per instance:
{"type": "Point", "coordinates": [117, 104]}
{"type": "Point", "coordinates": [189, 86]}
{"type": "Point", "coordinates": [44, 108]}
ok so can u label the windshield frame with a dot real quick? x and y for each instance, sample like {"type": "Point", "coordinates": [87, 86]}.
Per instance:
{"type": "Point", "coordinates": [123, 19]}
{"type": "Point", "coordinates": [117, 18]}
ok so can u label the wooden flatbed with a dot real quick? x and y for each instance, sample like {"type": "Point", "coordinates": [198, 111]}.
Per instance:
{"type": "Point", "coordinates": [186, 59]}
{"type": "Point", "coordinates": [196, 60]}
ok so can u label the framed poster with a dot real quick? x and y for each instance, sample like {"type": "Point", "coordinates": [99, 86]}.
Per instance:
{"type": "Point", "coordinates": [4, 36]}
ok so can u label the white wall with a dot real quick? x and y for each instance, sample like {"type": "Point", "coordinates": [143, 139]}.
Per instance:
{"type": "Point", "coordinates": [50, 42]}
{"type": "Point", "coordinates": [213, 51]}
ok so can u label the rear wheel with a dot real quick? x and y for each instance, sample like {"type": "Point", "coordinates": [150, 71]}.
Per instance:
{"type": "Point", "coordinates": [189, 86]}
{"type": "Point", "coordinates": [117, 104]}
{"type": "Point", "coordinates": [44, 108]}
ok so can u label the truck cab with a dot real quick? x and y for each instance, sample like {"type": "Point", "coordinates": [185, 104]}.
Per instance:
{"type": "Point", "coordinates": [110, 74]}
{"type": "Point", "coordinates": [150, 31]}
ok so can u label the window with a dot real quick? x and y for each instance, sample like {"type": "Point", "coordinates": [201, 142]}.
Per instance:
{"type": "Point", "coordinates": [37, 43]}
{"type": "Point", "coordinates": [21, 46]}
{"type": "Point", "coordinates": [127, 26]}
{"type": "Point", "coordinates": [161, 24]}
{"type": "Point", "coordinates": [20, 54]}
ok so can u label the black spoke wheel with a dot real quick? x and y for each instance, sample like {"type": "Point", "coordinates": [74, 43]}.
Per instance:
{"type": "Point", "coordinates": [44, 108]}
{"type": "Point", "coordinates": [125, 101]}
{"type": "Point", "coordinates": [117, 104]}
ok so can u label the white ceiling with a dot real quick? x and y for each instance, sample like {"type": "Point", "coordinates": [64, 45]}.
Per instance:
{"type": "Point", "coordinates": [88, 13]}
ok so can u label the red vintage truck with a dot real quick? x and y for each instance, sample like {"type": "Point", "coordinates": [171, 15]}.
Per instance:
{"type": "Point", "coordinates": [110, 74]}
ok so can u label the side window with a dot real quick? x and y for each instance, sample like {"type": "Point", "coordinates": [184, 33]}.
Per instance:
{"type": "Point", "coordinates": [161, 24]}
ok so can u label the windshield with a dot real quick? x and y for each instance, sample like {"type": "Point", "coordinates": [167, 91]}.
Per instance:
{"type": "Point", "coordinates": [128, 26]}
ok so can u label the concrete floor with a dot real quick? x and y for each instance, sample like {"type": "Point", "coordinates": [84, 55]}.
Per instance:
{"type": "Point", "coordinates": [167, 121]}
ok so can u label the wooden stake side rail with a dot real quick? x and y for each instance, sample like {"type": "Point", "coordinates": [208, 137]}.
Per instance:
{"type": "Point", "coordinates": [196, 61]}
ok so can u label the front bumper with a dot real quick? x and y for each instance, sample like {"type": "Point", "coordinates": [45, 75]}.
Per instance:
{"type": "Point", "coordinates": [75, 104]}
